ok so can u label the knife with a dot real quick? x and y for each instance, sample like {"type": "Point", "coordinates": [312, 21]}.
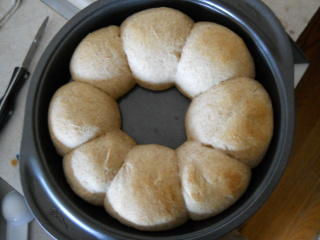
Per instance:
{"type": "Point", "coordinates": [19, 76]}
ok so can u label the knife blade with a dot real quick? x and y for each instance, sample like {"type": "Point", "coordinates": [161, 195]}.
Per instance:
{"type": "Point", "coordinates": [19, 76]}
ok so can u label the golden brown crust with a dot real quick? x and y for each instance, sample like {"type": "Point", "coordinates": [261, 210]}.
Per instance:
{"type": "Point", "coordinates": [145, 193]}
{"type": "Point", "coordinates": [78, 113]}
{"type": "Point", "coordinates": [213, 53]}
{"type": "Point", "coordinates": [100, 61]}
{"type": "Point", "coordinates": [211, 181]}
{"type": "Point", "coordinates": [90, 168]}
{"type": "Point", "coordinates": [236, 117]}
{"type": "Point", "coordinates": [153, 40]}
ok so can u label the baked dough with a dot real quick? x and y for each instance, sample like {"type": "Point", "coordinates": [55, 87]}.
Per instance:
{"type": "Point", "coordinates": [79, 112]}
{"type": "Point", "coordinates": [211, 180]}
{"type": "Point", "coordinates": [212, 54]}
{"type": "Point", "coordinates": [236, 117]}
{"type": "Point", "coordinates": [229, 123]}
{"type": "Point", "coordinates": [153, 40]}
{"type": "Point", "coordinates": [100, 61]}
{"type": "Point", "coordinates": [90, 168]}
{"type": "Point", "coordinates": [146, 193]}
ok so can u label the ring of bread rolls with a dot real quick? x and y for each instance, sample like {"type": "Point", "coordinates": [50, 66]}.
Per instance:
{"type": "Point", "coordinates": [229, 123]}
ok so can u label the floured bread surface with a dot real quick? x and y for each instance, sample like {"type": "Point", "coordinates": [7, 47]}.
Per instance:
{"type": "Point", "coordinates": [79, 112]}
{"type": "Point", "coordinates": [153, 41]}
{"type": "Point", "coordinates": [100, 60]}
{"type": "Point", "coordinates": [229, 123]}
{"type": "Point", "coordinates": [211, 181]}
{"type": "Point", "coordinates": [90, 168]}
{"type": "Point", "coordinates": [212, 54]}
{"type": "Point", "coordinates": [119, 143]}
{"type": "Point", "coordinates": [236, 117]}
{"type": "Point", "coordinates": [146, 193]}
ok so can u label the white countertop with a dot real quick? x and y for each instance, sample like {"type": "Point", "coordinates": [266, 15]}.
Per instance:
{"type": "Point", "coordinates": [17, 34]}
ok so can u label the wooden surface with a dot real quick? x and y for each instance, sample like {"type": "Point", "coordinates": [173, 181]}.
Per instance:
{"type": "Point", "coordinates": [293, 210]}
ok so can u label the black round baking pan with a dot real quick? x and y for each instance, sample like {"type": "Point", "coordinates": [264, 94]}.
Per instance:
{"type": "Point", "coordinates": [62, 213]}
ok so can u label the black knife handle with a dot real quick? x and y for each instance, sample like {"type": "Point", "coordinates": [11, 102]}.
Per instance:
{"type": "Point", "coordinates": [19, 76]}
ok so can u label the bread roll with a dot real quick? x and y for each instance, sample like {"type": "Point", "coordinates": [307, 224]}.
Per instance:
{"type": "Point", "coordinates": [146, 194]}
{"type": "Point", "coordinates": [236, 117]}
{"type": "Point", "coordinates": [78, 113]}
{"type": "Point", "coordinates": [100, 60]}
{"type": "Point", "coordinates": [119, 143]}
{"type": "Point", "coordinates": [211, 181]}
{"type": "Point", "coordinates": [90, 168]}
{"type": "Point", "coordinates": [153, 41]}
{"type": "Point", "coordinates": [213, 53]}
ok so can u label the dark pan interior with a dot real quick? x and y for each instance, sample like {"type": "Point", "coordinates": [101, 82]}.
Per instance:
{"type": "Point", "coordinates": [62, 212]}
